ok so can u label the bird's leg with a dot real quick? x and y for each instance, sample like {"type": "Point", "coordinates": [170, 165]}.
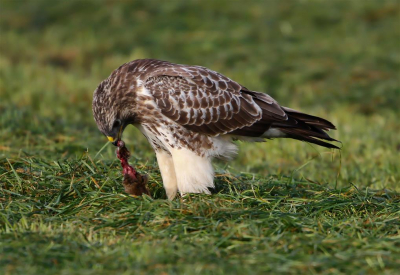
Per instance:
{"type": "Point", "coordinates": [194, 173]}
{"type": "Point", "coordinates": [166, 165]}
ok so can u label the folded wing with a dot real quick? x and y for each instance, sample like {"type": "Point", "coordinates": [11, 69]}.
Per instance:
{"type": "Point", "coordinates": [205, 101]}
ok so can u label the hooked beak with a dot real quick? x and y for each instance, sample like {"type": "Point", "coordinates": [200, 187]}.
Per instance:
{"type": "Point", "coordinates": [114, 140]}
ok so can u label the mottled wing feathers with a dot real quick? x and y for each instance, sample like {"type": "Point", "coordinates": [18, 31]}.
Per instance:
{"type": "Point", "coordinates": [206, 101]}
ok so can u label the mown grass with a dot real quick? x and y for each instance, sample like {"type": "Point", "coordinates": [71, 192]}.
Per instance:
{"type": "Point", "coordinates": [61, 218]}
{"type": "Point", "coordinates": [280, 207]}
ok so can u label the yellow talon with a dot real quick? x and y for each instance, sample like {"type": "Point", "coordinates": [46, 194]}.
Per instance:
{"type": "Point", "coordinates": [110, 139]}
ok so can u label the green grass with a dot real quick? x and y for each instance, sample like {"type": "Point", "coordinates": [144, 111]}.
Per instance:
{"type": "Point", "coordinates": [281, 207]}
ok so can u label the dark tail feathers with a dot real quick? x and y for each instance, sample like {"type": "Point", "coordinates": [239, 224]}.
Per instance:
{"type": "Point", "coordinates": [306, 127]}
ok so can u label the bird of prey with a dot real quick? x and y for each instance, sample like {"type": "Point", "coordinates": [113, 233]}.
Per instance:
{"type": "Point", "coordinates": [191, 114]}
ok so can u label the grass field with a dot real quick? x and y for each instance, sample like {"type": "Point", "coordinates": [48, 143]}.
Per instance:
{"type": "Point", "coordinates": [282, 207]}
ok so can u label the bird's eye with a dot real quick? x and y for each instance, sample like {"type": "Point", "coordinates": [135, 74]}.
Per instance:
{"type": "Point", "coordinates": [117, 123]}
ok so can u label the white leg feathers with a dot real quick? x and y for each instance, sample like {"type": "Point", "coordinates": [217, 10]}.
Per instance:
{"type": "Point", "coordinates": [167, 170]}
{"type": "Point", "coordinates": [194, 174]}
{"type": "Point", "coordinates": [189, 172]}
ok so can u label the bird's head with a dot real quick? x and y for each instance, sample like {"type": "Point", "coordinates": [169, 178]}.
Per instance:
{"type": "Point", "coordinates": [111, 111]}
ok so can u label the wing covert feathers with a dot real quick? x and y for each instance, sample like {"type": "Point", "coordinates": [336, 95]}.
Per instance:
{"type": "Point", "coordinates": [204, 102]}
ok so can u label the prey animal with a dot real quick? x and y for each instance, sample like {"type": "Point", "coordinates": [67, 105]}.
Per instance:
{"type": "Point", "coordinates": [134, 183]}
{"type": "Point", "coordinates": [191, 114]}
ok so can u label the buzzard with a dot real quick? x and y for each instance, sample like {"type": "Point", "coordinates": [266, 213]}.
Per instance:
{"type": "Point", "coordinates": [191, 114]}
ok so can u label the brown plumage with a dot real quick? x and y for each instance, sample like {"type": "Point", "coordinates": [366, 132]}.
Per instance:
{"type": "Point", "coordinates": [195, 110]}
